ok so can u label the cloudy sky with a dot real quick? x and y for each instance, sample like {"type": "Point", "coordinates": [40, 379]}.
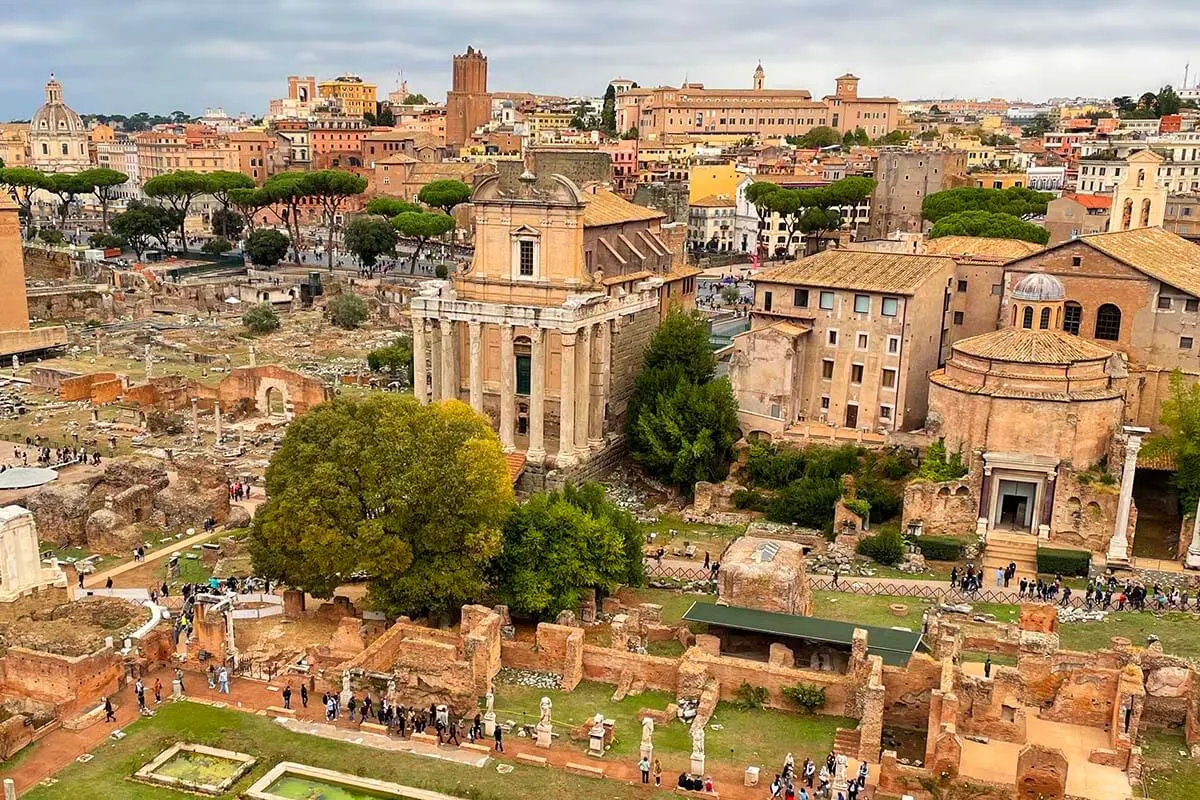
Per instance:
{"type": "Point", "coordinates": [124, 56]}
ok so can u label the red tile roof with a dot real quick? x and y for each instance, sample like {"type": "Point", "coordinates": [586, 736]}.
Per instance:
{"type": "Point", "coordinates": [1090, 200]}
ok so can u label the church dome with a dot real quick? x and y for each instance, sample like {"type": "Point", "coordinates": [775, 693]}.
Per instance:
{"type": "Point", "coordinates": [1039, 287]}
{"type": "Point", "coordinates": [55, 117]}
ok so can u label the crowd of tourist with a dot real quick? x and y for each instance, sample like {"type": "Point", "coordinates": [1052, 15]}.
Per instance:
{"type": "Point", "coordinates": [811, 784]}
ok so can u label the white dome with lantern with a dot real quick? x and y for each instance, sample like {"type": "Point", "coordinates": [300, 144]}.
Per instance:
{"type": "Point", "coordinates": [58, 138]}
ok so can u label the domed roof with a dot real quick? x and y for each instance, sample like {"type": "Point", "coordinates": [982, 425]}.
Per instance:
{"type": "Point", "coordinates": [1039, 286]}
{"type": "Point", "coordinates": [55, 116]}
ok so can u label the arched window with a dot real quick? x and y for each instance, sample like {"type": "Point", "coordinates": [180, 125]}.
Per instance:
{"type": "Point", "coordinates": [1027, 319]}
{"type": "Point", "coordinates": [1044, 323]}
{"type": "Point", "coordinates": [1108, 322]}
{"type": "Point", "coordinates": [1072, 316]}
{"type": "Point", "coordinates": [1141, 178]}
{"type": "Point", "coordinates": [1146, 213]}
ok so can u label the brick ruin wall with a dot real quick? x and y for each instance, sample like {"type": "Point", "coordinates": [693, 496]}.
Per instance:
{"type": "Point", "coordinates": [950, 508]}
{"type": "Point", "coordinates": [46, 265]}
{"type": "Point", "coordinates": [1083, 514]}
{"type": "Point", "coordinates": [67, 682]}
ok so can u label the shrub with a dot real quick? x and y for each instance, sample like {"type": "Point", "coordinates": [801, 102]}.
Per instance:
{"type": "Point", "coordinates": [896, 464]}
{"type": "Point", "coordinates": [941, 466]}
{"type": "Point", "coordinates": [347, 311]}
{"type": "Point", "coordinates": [885, 501]}
{"type": "Point", "coordinates": [885, 547]}
{"type": "Point", "coordinates": [941, 548]}
{"type": "Point", "coordinates": [831, 462]}
{"type": "Point", "coordinates": [750, 697]}
{"type": "Point", "coordinates": [441, 271]}
{"type": "Point", "coordinates": [807, 696]}
{"type": "Point", "coordinates": [808, 502]}
{"type": "Point", "coordinates": [217, 246]}
{"type": "Point", "coordinates": [51, 236]}
{"type": "Point", "coordinates": [859, 506]}
{"type": "Point", "coordinates": [773, 467]}
{"type": "Point", "coordinates": [749, 500]}
{"type": "Point", "coordinates": [261, 318]}
{"type": "Point", "coordinates": [1063, 562]}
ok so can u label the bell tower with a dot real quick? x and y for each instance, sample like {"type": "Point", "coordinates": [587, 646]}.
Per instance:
{"type": "Point", "coordinates": [760, 79]}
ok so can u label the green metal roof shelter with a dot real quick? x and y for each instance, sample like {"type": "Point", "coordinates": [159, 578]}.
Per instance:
{"type": "Point", "coordinates": [895, 647]}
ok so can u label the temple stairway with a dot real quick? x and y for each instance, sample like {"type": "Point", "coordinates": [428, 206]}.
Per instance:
{"type": "Point", "coordinates": [1004, 547]}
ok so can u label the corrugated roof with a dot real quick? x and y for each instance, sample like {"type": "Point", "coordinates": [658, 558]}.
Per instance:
{"type": "Point", "coordinates": [895, 647]}
{"type": "Point", "coordinates": [1032, 347]}
{"type": "Point", "coordinates": [1155, 252]}
{"type": "Point", "coordinates": [888, 273]}
{"type": "Point", "coordinates": [980, 247]}
{"type": "Point", "coordinates": [607, 208]}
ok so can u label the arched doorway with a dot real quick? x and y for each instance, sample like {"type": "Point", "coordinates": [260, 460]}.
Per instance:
{"type": "Point", "coordinates": [276, 406]}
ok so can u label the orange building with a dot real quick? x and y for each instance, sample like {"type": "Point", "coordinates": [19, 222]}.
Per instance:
{"type": "Point", "coordinates": [160, 152]}
{"type": "Point", "coordinates": [468, 104]}
{"type": "Point", "coordinates": [260, 154]}
{"type": "Point", "coordinates": [769, 113]}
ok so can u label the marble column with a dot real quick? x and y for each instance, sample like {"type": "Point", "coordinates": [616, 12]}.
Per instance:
{"type": "Point", "coordinates": [537, 397]}
{"type": "Point", "coordinates": [583, 388]}
{"type": "Point", "coordinates": [566, 402]}
{"type": "Point", "coordinates": [1118, 545]}
{"type": "Point", "coordinates": [420, 376]}
{"type": "Point", "coordinates": [1193, 551]}
{"type": "Point", "coordinates": [449, 360]}
{"type": "Point", "coordinates": [600, 366]}
{"type": "Point", "coordinates": [217, 420]}
{"type": "Point", "coordinates": [99, 336]}
{"type": "Point", "coordinates": [475, 368]}
{"type": "Point", "coordinates": [253, 357]}
{"type": "Point", "coordinates": [508, 389]}
{"type": "Point", "coordinates": [195, 418]}
{"type": "Point", "coordinates": [435, 360]}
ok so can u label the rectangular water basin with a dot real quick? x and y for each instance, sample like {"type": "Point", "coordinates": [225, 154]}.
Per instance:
{"type": "Point", "coordinates": [194, 767]}
{"type": "Point", "coordinates": [290, 781]}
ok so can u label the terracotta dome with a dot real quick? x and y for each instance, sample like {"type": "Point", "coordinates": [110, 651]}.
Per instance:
{"type": "Point", "coordinates": [1039, 287]}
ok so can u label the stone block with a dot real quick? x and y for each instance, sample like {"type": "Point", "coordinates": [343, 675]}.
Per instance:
{"type": "Point", "coordinates": [531, 760]}
{"type": "Point", "coordinates": [709, 644]}
{"type": "Point", "coordinates": [584, 769]}
{"type": "Point", "coordinates": [1038, 618]}
{"type": "Point", "coordinates": [279, 711]}
{"type": "Point", "coordinates": [293, 603]}
{"type": "Point", "coordinates": [1041, 773]}
{"type": "Point", "coordinates": [373, 727]}
{"type": "Point", "coordinates": [424, 738]}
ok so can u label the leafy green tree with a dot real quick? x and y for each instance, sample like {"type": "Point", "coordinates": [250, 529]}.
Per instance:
{"type": "Point", "coordinates": [389, 206]}
{"type": "Point", "coordinates": [422, 226]}
{"type": "Point", "coordinates": [816, 138]}
{"type": "Point", "coordinates": [557, 545]}
{"type": "Point", "coordinates": [1181, 438]}
{"type": "Point", "coordinates": [227, 223]}
{"type": "Point", "coordinates": [608, 111]}
{"type": "Point", "coordinates": [369, 118]}
{"type": "Point", "coordinates": [893, 138]}
{"type": "Point", "coordinates": [331, 188]}
{"type": "Point", "coordinates": [140, 225]}
{"type": "Point", "coordinates": [216, 246]}
{"type": "Point", "coordinates": [286, 193]}
{"type": "Point", "coordinates": [396, 359]}
{"type": "Point", "coordinates": [757, 195]}
{"type": "Point", "coordinates": [22, 184]}
{"type": "Point", "coordinates": [1124, 103]}
{"type": "Point", "coordinates": [928, 136]}
{"type": "Point", "coordinates": [682, 423]}
{"type": "Point", "coordinates": [1037, 126]}
{"type": "Point", "coordinates": [989, 225]}
{"type": "Point", "coordinates": [68, 187]}
{"type": "Point", "coordinates": [103, 183]}
{"type": "Point", "coordinates": [807, 502]}
{"type": "Point", "coordinates": [444, 195]}
{"type": "Point", "coordinates": [731, 295]}
{"type": "Point", "coordinates": [220, 184]}
{"type": "Point", "coordinates": [1016, 201]}
{"type": "Point", "coordinates": [266, 247]}
{"type": "Point", "coordinates": [416, 99]}
{"type": "Point", "coordinates": [415, 496]}
{"type": "Point", "coordinates": [385, 118]}
{"type": "Point", "coordinates": [1167, 101]}
{"type": "Point", "coordinates": [261, 318]}
{"type": "Point", "coordinates": [940, 465]}
{"type": "Point", "coordinates": [106, 240]}
{"type": "Point", "coordinates": [347, 311]}
{"type": "Point", "coordinates": [249, 202]}
{"type": "Point", "coordinates": [632, 133]}
{"type": "Point", "coordinates": [51, 236]}
{"type": "Point", "coordinates": [177, 190]}
{"type": "Point", "coordinates": [857, 137]}
{"type": "Point", "coordinates": [370, 237]}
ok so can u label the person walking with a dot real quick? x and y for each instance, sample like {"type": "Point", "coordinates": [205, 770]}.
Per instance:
{"type": "Point", "coordinates": [987, 667]}
{"type": "Point", "coordinates": [287, 695]}
{"type": "Point", "coordinates": [304, 695]}
{"type": "Point", "coordinates": [499, 740]}
{"type": "Point", "coordinates": [644, 766]}
{"type": "Point", "coordinates": [109, 715]}
{"type": "Point", "coordinates": [223, 680]}
{"type": "Point", "coordinates": [657, 772]}
{"type": "Point", "coordinates": [157, 691]}
{"type": "Point", "coordinates": [212, 676]}
{"type": "Point", "coordinates": [139, 689]}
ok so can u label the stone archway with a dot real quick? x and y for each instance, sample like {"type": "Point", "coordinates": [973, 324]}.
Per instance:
{"type": "Point", "coordinates": [275, 405]}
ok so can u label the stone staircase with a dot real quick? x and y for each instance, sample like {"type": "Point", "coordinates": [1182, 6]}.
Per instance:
{"type": "Point", "coordinates": [847, 741]}
{"type": "Point", "coordinates": [1004, 547]}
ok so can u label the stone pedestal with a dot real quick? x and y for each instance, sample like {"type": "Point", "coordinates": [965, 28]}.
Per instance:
{"type": "Point", "coordinates": [542, 736]}
{"type": "Point", "coordinates": [596, 740]}
{"type": "Point", "coordinates": [697, 766]}
{"type": "Point", "coordinates": [177, 688]}
{"type": "Point", "coordinates": [10, 786]}
{"type": "Point", "coordinates": [489, 724]}
{"type": "Point", "coordinates": [647, 752]}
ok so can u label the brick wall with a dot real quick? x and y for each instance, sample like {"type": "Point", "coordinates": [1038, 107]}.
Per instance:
{"type": "Point", "coordinates": [46, 265]}
{"type": "Point", "coordinates": [628, 349]}
{"type": "Point", "coordinates": [70, 683]}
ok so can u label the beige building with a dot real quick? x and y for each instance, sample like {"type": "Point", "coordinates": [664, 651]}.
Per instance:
{"type": "Point", "coordinates": [711, 223]}
{"type": "Point", "coordinates": [14, 144]}
{"type": "Point", "coordinates": [843, 338]}
{"type": "Point", "coordinates": [160, 152]}
{"type": "Point", "coordinates": [354, 96]}
{"type": "Point", "coordinates": [1073, 215]}
{"type": "Point", "coordinates": [1139, 200]}
{"type": "Point", "coordinates": [767, 113]}
{"type": "Point", "coordinates": [536, 335]}
{"type": "Point", "coordinates": [58, 139]}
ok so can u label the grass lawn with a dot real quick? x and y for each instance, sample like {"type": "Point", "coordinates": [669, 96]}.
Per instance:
{"type": "Point", "coordinates": [868, 609]}
{"type": "Point", "coordinates": [191, 570]}
{"type": "Point", "coordinates": [998, 659]}
{"type": "Point", "coordinates": [1176, 630]}
{"type": "Point", "coordinates": [712, 538]}
{"type": "Point", "coordinates": [936, 571]}
{"type": "Point", "coordinates": [1167, 774]}
{"type": "Point", "coordinates": [761, 737]}
{"type": "Point", "coordinates": [105, 777]}
{"type": "Point", "coordinates": [674, 604]}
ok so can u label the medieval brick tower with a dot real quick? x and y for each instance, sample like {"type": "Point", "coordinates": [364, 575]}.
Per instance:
{"type": "Point", "coordinates": [468, 104]}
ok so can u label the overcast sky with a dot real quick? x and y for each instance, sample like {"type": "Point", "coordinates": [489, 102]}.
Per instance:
{"type": "Point", "coordinates": [124, 56]}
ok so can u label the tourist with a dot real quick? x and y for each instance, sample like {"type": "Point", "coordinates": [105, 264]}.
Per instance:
{"type": "Point", "coordinates": [851, 791]}
{"type": "Point", "coordinates": [223, 680]}
{"type": "Point", "coordinates": [453, 732]}
{"type": "Point", "coordinates": [139, 689]}
{"type": "Point", "coordinates": [823, 781]}
{"type": "Point", "coordinates": [837, 574]}
{"type": "Point", "coordinates": [477, 728]}
{"type": "Point", "coordinates": [776, 788]}
{"type": "Point", "coordinates": [789, 793]}
{"type": "Point", "coordinates": [108, 583]}
{"type": "Point", "coordinates": [109, 716]}
{"type": "Point", "coordinates": [304, 695]}
{"type": "Point", "coordinates": [803, 794]}
{"type": "Point", "coordinates": [810, 770]}
{"type": "Point", "coordinates": [644, 766]}
{"type": "Point", "coordinates": [366, 707]}
{"type": "Point", "coordinates": [953, 577]}
{"type": "Point", "coordinates": [708, 784]}
{"type": "Point", "coordinates": [657, 773]}
{"type": "Point", "coordinates": [287, 695]}
{"type": "Point", "coordinates": [79, 573]}
{"type": "Point", "coordinates": [179, 679]}
{"type": "Point", "coordinates": [212, 673]}
{"type": "Point", "coordinates": [987, 667]}
{"type": "Point", "coordinates": [999, 577]}
{"type": "Point", "coordinates": [157, 691]}
{"type": "Point", "coordinates": [862, 775]}
{"type": "Point", "coordinates": [1066, 596]}
{"type": "Point", "coordinates": [789, 768]}
{"type": "Point", "coordinates": [499, 740]}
